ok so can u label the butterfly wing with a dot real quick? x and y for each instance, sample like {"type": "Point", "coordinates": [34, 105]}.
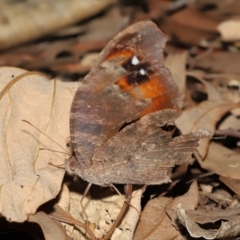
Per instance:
{"type": "Point", "coordinates": [127, 82]}
{"type": "Point", "coordinates": [142, 153]}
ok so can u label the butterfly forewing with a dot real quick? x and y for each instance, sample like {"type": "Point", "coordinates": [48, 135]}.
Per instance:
{"type": "Point", "coordinates": [119, 109]}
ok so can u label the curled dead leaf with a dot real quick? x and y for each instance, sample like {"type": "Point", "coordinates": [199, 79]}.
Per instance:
{"type": "Point", "coordinates": [227, 230]}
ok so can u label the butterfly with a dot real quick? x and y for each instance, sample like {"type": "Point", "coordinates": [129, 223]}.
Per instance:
{"type": "Point", "coordinates": [119, 110]}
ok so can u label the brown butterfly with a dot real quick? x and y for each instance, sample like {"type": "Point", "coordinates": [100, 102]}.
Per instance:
{"type": "Point", "coordinates": [118, 111]}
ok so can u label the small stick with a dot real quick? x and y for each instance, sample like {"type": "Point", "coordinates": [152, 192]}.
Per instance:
{"type": "Point", "coordinates": [126, 204]}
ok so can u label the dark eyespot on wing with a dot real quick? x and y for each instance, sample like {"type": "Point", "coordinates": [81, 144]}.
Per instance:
{"type": "Point", "coordinates": [131, 66]}
{"type": "Point", "coordinates": [138, 71]}
{"type": "Point", "coordinates": [136, 78]}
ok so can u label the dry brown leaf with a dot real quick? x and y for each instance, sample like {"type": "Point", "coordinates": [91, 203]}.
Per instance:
{"type": "Point", "coordinates": [64, 204]}
{"type": "Point", "coordinates": [212, 92]}
{"type": "Point", "coordinates": [64, 198]}
{"type": "Point", "coordinates": [71, 223]}
{"type": "Point", "coordinates": [231, 121]}
{"type": "Point", "coordinates": [192, 227]}
{"type": "Point", "coordinates": [185, 28]}
{"type": "Point", "coordinates": [220, 62]}
{"type": "Point", "coordinates": [176, 63]}
{"type": "Point", "coordinates": [155, 223]}
{"type": "Point", "coordinates": [51, 229]}
{"type": "Point", "coordinates": [46, 16]}
{"type": "Point", "coordinates": [213, 215]}
{"type": "Point", "coordinates": [7, 74]}
{"type": "Point", "coordinates": [27, 178]}
{"type": "Point", "coordinates": [104, 28]}
{"type": "Point", "coordinates": [223, 161]}
{"type": "Point", "coordinates": [227, 85]}
{"type": "Point", "coordinates": [205, 115]}
{"type": "Point", "coordinates": [233, 184]}
{"type": "Point", "coordinates": [219, 9]}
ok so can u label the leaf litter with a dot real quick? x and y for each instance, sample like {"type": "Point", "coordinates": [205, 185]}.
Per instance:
{"type": "Point", "coordinates": [203, 59]}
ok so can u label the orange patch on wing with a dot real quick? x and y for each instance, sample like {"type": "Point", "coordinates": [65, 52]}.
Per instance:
{"type": "Point", "coordinates": [149, 89]}
{"type": "Point", "coordinates": [126, 53]}
{"type": "Point", "coordinates": [153, 89]}
{"type": "Point", "coordinates": [124, 85]}
{"type": "Point", "coordinates": [157, 91]}
{"type": "Point", "coordinates": [160, 103]}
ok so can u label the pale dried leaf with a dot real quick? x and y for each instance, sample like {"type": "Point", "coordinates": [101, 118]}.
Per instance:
{"type": "Point", "coordinates": [27, 178]}
{"type": "Point", "coordinates": [64, 203]}
{"type": "Point", "coordinates": [100, 212]}
{"type": "Point", "coordinates": [176, 63]}
{"type": "Point", "coordinates": [233, 184]}
{"type": "Point", "coordinates": [230, 122]}
{"type": "Point", "coordinates": [228, 229]}
{"type": "Point", "coordinates": [204, 115]}
{"type": "Point", "coordinates": [64, 198]}
{"type": "Point", "coordinates": [228, 86]}
{"type": "Point", "coordinates": [88, 60]}
{"type": "Point", "coordinates": [192, 227]}
{"type": "Point", "coordinates": [46, 16]}
{"type": "Point", "coordinates": [212, 215]}
{"type": "Point", "coordinates": [107, 211]}
{"type": "Point", "coordinates": [7, 74]}
{"type": "Point", "coordinates": [206, 188]}
{"type": "Point", "coordinates": [229, 30]}
{"type": "Point", "coordinates": [127, 227]}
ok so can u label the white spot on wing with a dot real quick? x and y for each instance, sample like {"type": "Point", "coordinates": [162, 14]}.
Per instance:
{"type": "Point", "coordinates": [135, 61]}
{"type": "Point", "coordinates": [142, 72]}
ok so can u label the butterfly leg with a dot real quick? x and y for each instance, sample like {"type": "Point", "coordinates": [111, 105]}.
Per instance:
{"type": "Point", "coordinates": [81, 201]}
{"type": "Point", "coordinates": [128, 192]}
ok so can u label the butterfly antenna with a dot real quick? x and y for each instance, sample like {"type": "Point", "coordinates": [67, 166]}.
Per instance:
{"type": "Point", "coordinates": [65, 152]}
{"type": "Point", "coordinates": [51, 150]}
{"type": "Point", "coordinates": [219, 137]}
